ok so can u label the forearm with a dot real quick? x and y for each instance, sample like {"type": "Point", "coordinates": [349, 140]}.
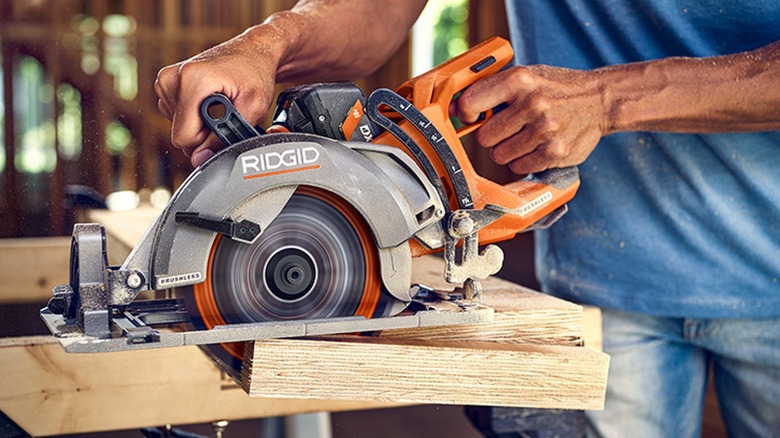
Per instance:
{"type": "Point", "coordinates": [731, 93]}
{"type": "Point", "coordinates": [318, 40]}
{"type": "Point", "coordinates": [321, 40]}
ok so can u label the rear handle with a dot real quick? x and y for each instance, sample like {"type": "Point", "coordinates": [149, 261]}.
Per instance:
{"type": "Point", "coordinates": [222, 118]}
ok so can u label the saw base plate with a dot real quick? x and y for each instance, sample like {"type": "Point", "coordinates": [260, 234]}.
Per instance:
{"type": "Point", "coordinates": [435, 314]}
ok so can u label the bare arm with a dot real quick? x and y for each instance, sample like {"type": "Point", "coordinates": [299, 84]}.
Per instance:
{"type": "Point", "coordinates": [344, 39]}
{"type": "Point", "coordinates": [556, 116]}
{"type": "Point", "coordinates": [731, 93]}
{"type": "Point", "coordinates": [318, 40]}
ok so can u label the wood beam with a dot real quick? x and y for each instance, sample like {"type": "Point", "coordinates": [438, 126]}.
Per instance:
{"type": "Point", "coordinates": [413, 370]}
{"type": "Point", "coordinates": [531, 355]}
{"type": "Point", "coordinates": [49, 392]}
{"type": "Point", "coordinates": [31, 267]}
{"type": "Point", "coordinates": [10, 176]}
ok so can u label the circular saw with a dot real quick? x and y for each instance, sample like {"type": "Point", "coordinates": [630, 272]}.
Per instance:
{"type": "Point", "coordinates": [310, 227]}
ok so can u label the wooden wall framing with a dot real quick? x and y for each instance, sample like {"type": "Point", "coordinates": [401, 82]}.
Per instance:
{"type": "Point", "coordinates": [166, 32]}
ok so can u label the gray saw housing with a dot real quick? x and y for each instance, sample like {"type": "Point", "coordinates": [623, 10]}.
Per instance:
{"type": "Point", "coordinates": [250, 182]}
{"type": "Point", "coordinates": [172, 255]}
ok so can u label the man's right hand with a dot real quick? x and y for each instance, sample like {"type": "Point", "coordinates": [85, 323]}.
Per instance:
{"type": "Point", "coordinates": [317, 40]}
{"type": "Point", "coordinates": [243, 69]}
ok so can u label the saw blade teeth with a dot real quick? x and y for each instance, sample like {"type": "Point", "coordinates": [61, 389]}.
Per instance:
{"type": "Point", "coordinates": [317, 259]}
{"type": "Point", "coordinates": [307, 264]}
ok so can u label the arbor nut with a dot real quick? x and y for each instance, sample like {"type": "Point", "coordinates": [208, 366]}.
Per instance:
{"type": "Point", "coordinates": [134, 280]}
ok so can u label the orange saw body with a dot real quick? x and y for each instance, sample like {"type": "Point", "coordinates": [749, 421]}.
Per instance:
{"type": "Point", "coordinates": [432, 93]}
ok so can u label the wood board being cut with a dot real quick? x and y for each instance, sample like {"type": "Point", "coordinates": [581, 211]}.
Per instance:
{"type": "Point", "coordinates": [420, 371]}
{"type": "Point", "coordinates": [531, 355]}
{"type": "Point", "coordinates": [47, 391]}
{"type": "Point", "coordinates": [534, 354]}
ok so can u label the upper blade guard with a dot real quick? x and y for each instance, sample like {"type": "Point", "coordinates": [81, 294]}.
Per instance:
{"type": "Point", "coordinates": [253, 180]}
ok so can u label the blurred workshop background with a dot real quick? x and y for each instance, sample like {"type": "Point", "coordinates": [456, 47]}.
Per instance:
{"type": "Point", "coordinates": [78, 113]}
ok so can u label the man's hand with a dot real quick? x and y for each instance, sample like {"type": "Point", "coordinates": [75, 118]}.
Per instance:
{"type": "Point", "coordinates": [242, 69]}
{"type": "Point", "coordinates": [554, 116]}
{"type": "Point", "coordinates": [317, 40]}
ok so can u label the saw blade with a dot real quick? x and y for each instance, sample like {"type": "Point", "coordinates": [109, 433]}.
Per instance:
{"type": "Point", "coordinates": [317, 259]}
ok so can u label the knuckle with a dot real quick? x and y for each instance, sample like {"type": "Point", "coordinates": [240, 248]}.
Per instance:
{"type": "Point", "coordinates": [165, 77]}
{"type": "Point", "coordinates": [482, 138]}
{"type": "Point", "coordinates": [158, 85]}
{"type": "Point", "coordinates": [554, 150]}
{"type": "Point", "coordinates": [539, 104]}
{"type": "Point", "coordinates": [521, 77]}
{"type": "Point", "coordinates": [175, 142]}
{"type": "Point", "coordinates": [548, 124]}
{"type": "Point", "coordinates": [188, 70]}
{"type": "Point", "coordinates": [466, 107]}
{"type": "Point", "coordinates": [518, 167]}
{"type": "Point", "coordinates": [161, 106]}
{"type": "Point", "coordinates": [465, 101]}
{"type": "Point", "coordinates": [164, 73]}
{"type": "Point", "coordinates": [498, 156]}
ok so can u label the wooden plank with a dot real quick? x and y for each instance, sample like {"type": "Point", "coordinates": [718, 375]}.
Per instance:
{"type": "Point", "coordinates": [31, 267]}
{"type": "Point", "coordinates": [520, 318]}
{"type": "Point", "coordinates": [127, 226]}
{"type": "Point", "coordinates": [530, 316]}
{"type": "Point", "coordinates": [591, 327]}
{"type": "Point", "coordinates": [47, 391]}
{"type": "Point", "coordinates": [522, 315]}
{"type": "Point", "coordinates": [411, 370]}
{"type": "Point", "coordinates": [123, 229]}
{"type": "Point", "coordinates": [502, 351]}
{"type": "Point", "coordinates": [530, 356]}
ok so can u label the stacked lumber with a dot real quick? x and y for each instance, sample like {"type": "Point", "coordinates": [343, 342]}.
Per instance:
{"type": "Point", "coordinates": [531, 355]}
{"type": "Point", "coordinates": [539, 351]}
{"type": "Point", "coordinates": [31, 267]}
{"type": "Point", "coordinates": [47, 391]}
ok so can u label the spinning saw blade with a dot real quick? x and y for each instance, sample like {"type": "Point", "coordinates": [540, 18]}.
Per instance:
{"type": "Point", "coordinates": [317, 259]}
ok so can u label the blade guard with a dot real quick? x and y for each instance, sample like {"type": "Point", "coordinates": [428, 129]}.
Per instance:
{"type": "Point", "coordinates": [525, 204]}
{"type": "Point", "coordinates": [175, 254]}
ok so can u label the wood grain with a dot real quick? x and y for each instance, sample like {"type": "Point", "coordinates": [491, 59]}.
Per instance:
{"type": "Point", "coordinates": [529, 356]}
{"type": "Point", "coordinates": [411, 370]}
{"type": "Point", "coordinates": [47, 391]}
{"type": "Point", "coordinates": [520, 317]}
{"type": "Point", "coordinates": [31, 267]}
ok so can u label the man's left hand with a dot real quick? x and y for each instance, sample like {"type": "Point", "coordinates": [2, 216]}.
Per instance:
{"type": "Point", "coordinates": [554, 116]}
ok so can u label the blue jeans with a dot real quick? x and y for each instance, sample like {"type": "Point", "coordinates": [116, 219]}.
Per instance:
{"type": "Point", "coordinates": [658, 375]}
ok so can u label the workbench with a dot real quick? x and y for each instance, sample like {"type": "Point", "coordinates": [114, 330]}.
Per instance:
{"type": "Point", "coordinates": [538, 343]}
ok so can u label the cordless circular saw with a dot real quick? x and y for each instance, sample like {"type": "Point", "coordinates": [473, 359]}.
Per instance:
{"type": "Point", "coordinates": [310, 227]}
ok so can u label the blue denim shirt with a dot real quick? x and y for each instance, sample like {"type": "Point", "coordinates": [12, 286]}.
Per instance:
{"type": "Point", "coordinates": [663, 224]}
